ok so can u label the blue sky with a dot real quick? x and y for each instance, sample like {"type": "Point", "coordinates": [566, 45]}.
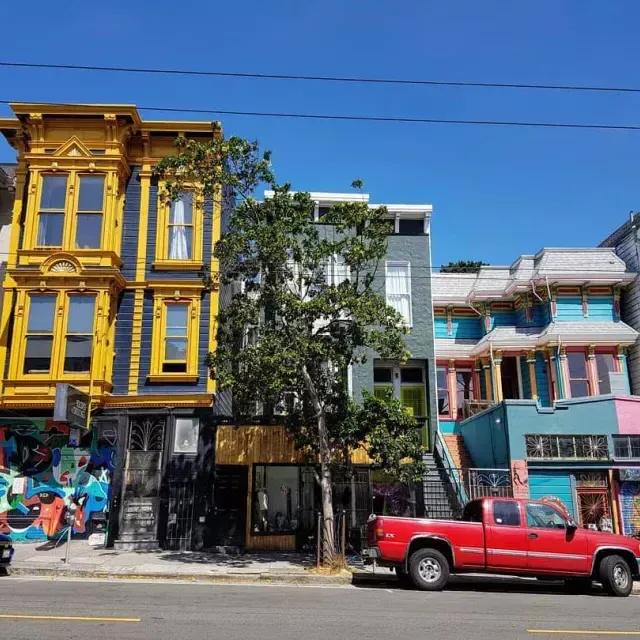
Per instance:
{"type": "Point", "coordinates": [497, 192]}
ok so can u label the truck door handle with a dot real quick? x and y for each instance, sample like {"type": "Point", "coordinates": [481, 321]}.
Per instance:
{"type": "Point", "coordinates": [533, 536]}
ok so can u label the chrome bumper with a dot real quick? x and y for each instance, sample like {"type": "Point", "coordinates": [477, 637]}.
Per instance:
{"type": "Point", "coordinates": [371, 553]}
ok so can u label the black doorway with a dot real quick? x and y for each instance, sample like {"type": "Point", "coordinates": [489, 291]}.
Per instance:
{"type": "Point", "coordinates": [230, 493]}
{"type": "Point", "coordinates": [509, 375]}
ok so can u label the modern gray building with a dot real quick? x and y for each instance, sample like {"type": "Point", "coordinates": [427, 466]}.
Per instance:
{"type": "Point", "coordinates": [626, 241]}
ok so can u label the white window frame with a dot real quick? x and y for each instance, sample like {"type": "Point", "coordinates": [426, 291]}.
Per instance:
{"type": "Point", "coordinates": [337, 272]}
{"type": "Point", "coordinates": [399, 263]}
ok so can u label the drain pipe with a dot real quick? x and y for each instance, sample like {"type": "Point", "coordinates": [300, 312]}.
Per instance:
{"type": "Point", "coordinates": [535, 293]}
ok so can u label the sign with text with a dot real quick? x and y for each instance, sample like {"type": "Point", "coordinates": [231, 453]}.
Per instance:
{"type": "Point", "coordinates": [72, 406]}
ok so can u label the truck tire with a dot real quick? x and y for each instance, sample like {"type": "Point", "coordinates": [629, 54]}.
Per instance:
{"type": "Point", "coordinates": [615, 576]}
{"type": "Point", "coordinates": [429, 570]}
{"type": "Point", "coordinates": [404, 579]}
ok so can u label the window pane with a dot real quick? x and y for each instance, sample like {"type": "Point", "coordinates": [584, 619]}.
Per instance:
{"type": "Point", "coordinates": [540, 516]}
{"type": "Point", "coordinates": [441, 376]}
{"type": "Point", "coordinates": [411, 374]}
{"type": "Point", "coordinates": [577, 364]}
{"type": "Point", "coordinates": [182, 209]}
{"type": "Point", "coordinates": [186, 435]}
{"type": "Point", "coordinates": [77, 355]}
{"type": "Point", "coordinates": [382, 391]}
{"type": "Point", "coordinates": [506, 514]}
{"type": "Point", "coordinates": [276, 499]}
{"type": "Point", "coordinates": [175, 349]}
{"type": "Point", "coordinates": [635, 446]}
{"type": "Point", "coordinates": [41, 312]}
{"type": "Point", "coordinates": [50, 229]}
{"type": "Point", "coordinates": [38, 354]}
{"type": "Point", "coordinates": [88, 230]}
{"type": "Point", "coordinates": [411, 227]}
{"type": "Point", "coordinates": [91, 193]}
{"type": "Point", "coordinates": [413, 400]}
{"type": "Point", "coordinates": [605, 363]}
{"type": "Point", "coordinates": [54, 191]}
{"type": "Point", "coordinates": [382, 374]}
{"type": "Point", "coordinates": [177, 316]}
{"type": "Point", "coordinates": [80, 318]}
{"type": "Point", "coordinates": [621, 447]}
{"type": "Point", "coordinates": [398, 279]}
{"type": "Point", "coordinates": [180, 242]}
{"type": "Point", "coordinates": [579, 388]}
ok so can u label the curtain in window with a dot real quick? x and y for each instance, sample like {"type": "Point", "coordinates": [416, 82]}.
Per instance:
{"type": "Point", "coordinates": [398, 290]}
{"type": "Point", "coordinates": [178, 247]}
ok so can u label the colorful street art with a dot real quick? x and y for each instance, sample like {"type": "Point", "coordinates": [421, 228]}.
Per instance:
{"type": "Point", "coordinates": [40, 476]}
{"type": "Point", "coordinates": [630, 506]}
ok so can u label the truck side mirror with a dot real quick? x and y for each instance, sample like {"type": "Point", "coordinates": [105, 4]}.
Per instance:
{"type": "Point", "coordinates": [571, 525]}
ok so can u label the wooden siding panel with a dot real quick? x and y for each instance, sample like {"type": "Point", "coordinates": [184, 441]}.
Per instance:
{"type": "Point", "coordinates": [131, 225]}
{"type": "Point", "coordinates": [124, 332]}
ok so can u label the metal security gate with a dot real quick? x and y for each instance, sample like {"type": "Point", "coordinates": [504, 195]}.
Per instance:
{"type": "Point", "coordinates": [180, 516]}
{"type": "Point", "coordinates": [142, 478]}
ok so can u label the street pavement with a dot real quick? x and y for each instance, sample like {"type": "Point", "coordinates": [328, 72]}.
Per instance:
{"type": "Point", "coordinates": [48, 609]}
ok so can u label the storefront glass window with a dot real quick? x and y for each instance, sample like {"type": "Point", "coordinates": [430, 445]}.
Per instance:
{"type": "Point", "coordinates": [276, 499]}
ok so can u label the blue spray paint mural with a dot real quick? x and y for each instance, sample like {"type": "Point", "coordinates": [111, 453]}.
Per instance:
{"type": "Point", "coordinates": [41, 475]}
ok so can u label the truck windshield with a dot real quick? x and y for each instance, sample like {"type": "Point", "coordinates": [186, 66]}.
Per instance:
{"type": "Point", "coordinates": [473, 512]}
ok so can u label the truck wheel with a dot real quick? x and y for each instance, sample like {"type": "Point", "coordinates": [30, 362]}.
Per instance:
{"type": "Point", "coordinates": [615, 576]}
{"type": "Point", "coordinates": [404, 579]}
{"type": "Point", "coordinates": [429, 570]}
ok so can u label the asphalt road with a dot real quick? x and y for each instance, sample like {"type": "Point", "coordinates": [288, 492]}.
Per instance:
{"type": "Point", "coordinates": [154, 611]}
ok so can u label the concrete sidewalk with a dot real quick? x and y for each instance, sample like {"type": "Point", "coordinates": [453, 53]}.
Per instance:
{"type": "Point", "coordinates": [86, 561]}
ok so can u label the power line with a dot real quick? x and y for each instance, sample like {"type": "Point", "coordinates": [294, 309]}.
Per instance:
{"type": "Point", "coordinates": [312, 78]}
{"type": "Point", "coordinates": [392, 119]}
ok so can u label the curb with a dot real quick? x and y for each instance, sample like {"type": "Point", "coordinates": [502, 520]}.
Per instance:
{"type": "Point", "coordinates": [257, 578]}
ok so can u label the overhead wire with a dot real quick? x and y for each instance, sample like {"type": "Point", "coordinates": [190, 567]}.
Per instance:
{"type": "Point", "coordinates": [321, 78]}
{"type": "Point", "coordinates": [350, 118]}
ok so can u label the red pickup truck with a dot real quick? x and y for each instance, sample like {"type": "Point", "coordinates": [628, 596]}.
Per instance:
{"type": "Point", "coordinates": [504, 536]}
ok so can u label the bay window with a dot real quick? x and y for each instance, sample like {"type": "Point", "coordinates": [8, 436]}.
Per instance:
{"type": "Point", "coordinates": [605, 364]}
{"type": "Point", "coordinates": [89, 212]}
{"type": "Point", "coordinates": [39, 338]}
{"type": "Point", "coordinates": [65, 220]}
{"type": "Point", "coordinates": [578, 374]}
{"type": "Point", "coordinates": [53, 197]}
{"type": "Point", "coordinates": [59, 333]}
{"type": "Point", "coordinates": [79, 335]}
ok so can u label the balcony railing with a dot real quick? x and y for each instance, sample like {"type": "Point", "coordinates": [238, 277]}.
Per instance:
{"type": "Point", "coordinates": [472, 407]}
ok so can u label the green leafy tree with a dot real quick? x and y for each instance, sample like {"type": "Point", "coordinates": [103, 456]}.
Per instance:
{"type": "Point", "coordinates": [462, 266]}
{"type": "Point", "coordinates": [290, 332]}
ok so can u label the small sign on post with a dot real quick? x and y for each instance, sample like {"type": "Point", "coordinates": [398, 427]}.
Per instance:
{"type": "Point", "coordinates": [72, 406]}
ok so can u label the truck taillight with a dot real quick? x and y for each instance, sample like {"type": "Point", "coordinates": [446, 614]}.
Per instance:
{"type": "Point", "coordinates": [379, 528]}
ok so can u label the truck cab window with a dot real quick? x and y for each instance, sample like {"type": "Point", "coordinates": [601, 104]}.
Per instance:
{"type": "Point", "coordinates": [506, 514]}
{"type": "Point", "coordinates": [473, 512]}
{"type": "Point", "coordinates": [540, 516]}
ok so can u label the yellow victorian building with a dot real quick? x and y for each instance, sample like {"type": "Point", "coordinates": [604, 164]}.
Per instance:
{"type": "Point", "coordinates": [104, 291]}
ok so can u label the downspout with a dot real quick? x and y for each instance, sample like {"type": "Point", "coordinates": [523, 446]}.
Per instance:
{"type": "Point", "coordinates": [535, 293]}
{"type": "Point", "coordinates": [493, 381]}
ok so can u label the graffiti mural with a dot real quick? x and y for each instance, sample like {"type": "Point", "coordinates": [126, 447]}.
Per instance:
{"type": "Point", "coordinates": [630, 506]}
{"type": "Point", "coordinates": [41, 476]}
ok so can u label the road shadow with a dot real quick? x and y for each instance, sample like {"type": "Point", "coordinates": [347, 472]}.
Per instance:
{"type": "Point", "coordinates": [479, 584]}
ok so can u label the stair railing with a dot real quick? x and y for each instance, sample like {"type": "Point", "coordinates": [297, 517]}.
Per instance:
{"type": "Point", "coordinates": [455, 476]}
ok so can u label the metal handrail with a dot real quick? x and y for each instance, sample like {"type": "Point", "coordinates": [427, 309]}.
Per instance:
{"type": "Point", "coordinates": [451, 471]}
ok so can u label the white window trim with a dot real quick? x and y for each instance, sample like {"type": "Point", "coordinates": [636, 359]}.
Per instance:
{"type": "Point", "coordinates": [400, 263]}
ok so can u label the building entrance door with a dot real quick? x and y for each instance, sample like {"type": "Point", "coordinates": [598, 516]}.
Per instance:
{"type": "Point", "coordinates": [509, 375]}
{"type": "Point", "coordinates": [230, 496]}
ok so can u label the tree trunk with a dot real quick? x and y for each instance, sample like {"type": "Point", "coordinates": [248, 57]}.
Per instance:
{"type": "Point", "coordinates": [329, 551]}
